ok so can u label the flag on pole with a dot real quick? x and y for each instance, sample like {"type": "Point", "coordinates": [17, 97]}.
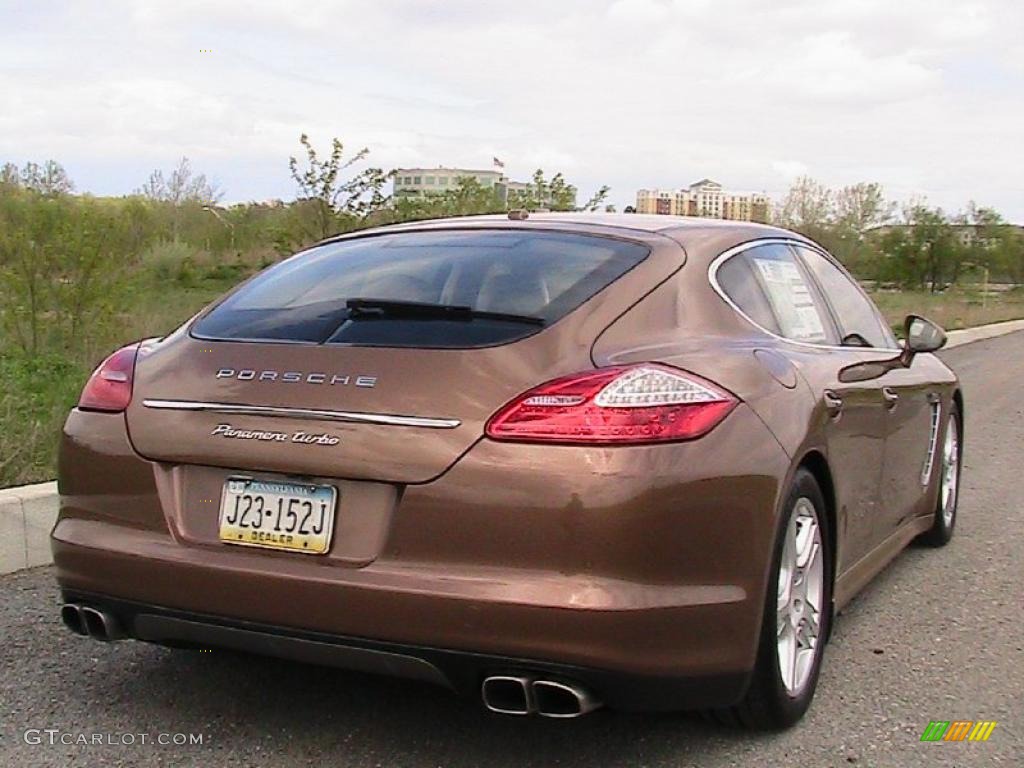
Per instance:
{"type": "Point", "coordinates": [498, 163]}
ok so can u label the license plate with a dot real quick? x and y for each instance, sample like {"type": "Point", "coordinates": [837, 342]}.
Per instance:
{"type": "Point", "coordinates": [277, 515]}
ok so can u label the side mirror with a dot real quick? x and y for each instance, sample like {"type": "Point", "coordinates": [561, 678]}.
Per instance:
{"type": "Point", "coordinates": [922, 335]}
{"type": "Point", "coordinates": [919, 335]}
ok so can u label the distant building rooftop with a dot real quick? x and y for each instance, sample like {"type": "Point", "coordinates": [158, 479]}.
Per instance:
{"type": "Point", "coordinates": [705, 198]}
{"type": "Point", "coordinates": [414, 182]}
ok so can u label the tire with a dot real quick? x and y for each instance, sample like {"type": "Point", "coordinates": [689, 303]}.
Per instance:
{"type": "Point", "coordinates": [776, 698]}
{"type": "Point", "coordinates": [948, 497]}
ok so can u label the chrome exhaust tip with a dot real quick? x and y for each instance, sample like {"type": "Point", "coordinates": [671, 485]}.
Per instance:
{"type": "Point", "coordinates": [562, 700]}
{"type": "Point", "coordinates": [71, 615]}
{"type": "Point", "coordinates": [100, 625]}
{"type": "Point", "coordinates": [507, 695]}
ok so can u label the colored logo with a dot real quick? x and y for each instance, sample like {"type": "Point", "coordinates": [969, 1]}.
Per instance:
{"type": "Point", "coordinates": [958, 730]}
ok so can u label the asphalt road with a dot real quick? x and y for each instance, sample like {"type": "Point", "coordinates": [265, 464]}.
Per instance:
{"type": "Point", "coordinates": [936, 637]}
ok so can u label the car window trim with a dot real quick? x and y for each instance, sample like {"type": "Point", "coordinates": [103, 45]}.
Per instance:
{"type": "Point", "coordinates": [736, 250]}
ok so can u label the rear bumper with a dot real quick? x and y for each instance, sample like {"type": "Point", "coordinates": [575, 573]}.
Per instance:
{"type": "Point", "coordinates": [636, 564]}
{"type": "Point", "coordinates": [461, 671]}
{"type": "Point", "coordinates": [666, 631]}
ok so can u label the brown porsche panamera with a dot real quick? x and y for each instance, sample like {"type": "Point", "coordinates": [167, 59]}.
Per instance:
{"type": "Point", "coordinates": [554, 462]}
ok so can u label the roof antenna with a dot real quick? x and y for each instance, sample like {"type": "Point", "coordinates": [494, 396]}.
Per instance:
{"type": "Point", "coordinates": [518, 214]}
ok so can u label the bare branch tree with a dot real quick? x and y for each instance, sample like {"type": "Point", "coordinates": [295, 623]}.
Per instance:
{"type": "Point", "coordinates": [50, 178]}
{"type": "Point", "coordinates": [181, 186]}
{"type": "Point", "coordinates": [808, 206]}
{"type": "Point", "coordinates": [336, 199]}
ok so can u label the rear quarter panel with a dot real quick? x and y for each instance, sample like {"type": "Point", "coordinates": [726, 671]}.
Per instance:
{"type": "Point", "coordinates": [683, 322]}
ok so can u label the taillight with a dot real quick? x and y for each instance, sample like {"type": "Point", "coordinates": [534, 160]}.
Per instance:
{"type": "Point", "coordinates": [110, 386]}
{"type": "Point", "coordinates": [626, 404]}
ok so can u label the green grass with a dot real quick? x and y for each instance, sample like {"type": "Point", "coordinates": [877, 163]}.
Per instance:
{"type": "Point", "coordinates": [39, 391]}
{"type": "Point", "coordinates": [36, 397]}
{"type": "Point", "coordinates": [952, 309]}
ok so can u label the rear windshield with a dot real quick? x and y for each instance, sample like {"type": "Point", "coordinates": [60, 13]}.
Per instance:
{"type": "Point", "coordinates": [507, 284]}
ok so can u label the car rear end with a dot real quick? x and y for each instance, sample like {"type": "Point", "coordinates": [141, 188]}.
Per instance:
{"type": "Point", "coordinates": [457, 498]}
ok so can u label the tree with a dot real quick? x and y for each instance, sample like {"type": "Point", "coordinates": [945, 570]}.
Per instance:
{"type": "Point", "coordinates": [337, 203]}
{"type": "Point", "coordinates": [49, 179]}
{"type": "Point", "coordinates": [857, 210]}
{"type": "Point", "coordinates": [61, 259]}
{"type": "Point", "coordinates": [862, 207]}
{"type": "Point", "coordinates": [559, 193]}
{"type": "Point", "coordinates": [841, 220]}
{"type": "Point", "coordinates": [554, 194]}
{"type": "Point", "coordinates": [925, 252]}
{"type": "Point", "coordinates": [469, 197]}
{"type": "Point", "coordinates": [182, 193]}
{"type": "Point", "coordinates": [10, 178]}
{"type": "Point", "coordinates": [994, 244]}
{"type": "Point", "coordinates": [807, 207]}
{"type": "Point", "coordinates": [181, 186]}
{"type": "Point", "coordinates": [597, 200]}
{"type": "Point", "coordinates": [1010, 256]}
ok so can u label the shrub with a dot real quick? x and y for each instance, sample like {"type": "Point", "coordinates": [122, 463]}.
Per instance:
{"type": "Point", "coordinates": [164, 260]}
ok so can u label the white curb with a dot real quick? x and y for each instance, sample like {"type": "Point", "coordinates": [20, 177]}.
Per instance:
{"type": "Point", "coordinates": [28, 513]}
{"type": "Point", "coordinates": [967, 335]}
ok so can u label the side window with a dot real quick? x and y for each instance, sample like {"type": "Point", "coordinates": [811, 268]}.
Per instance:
{"type": "Point", "coordinates": [737, 280]}
{"type": "Point", "coordinates": [855, 312]}
{"type": "Point", "coordinates": [769, 285]}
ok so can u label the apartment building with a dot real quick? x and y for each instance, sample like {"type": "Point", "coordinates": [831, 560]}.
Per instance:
{"type": "Point", "coordinates": [705, 198]}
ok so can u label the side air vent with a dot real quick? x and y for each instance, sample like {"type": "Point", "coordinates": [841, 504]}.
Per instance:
{"type": "Point", "coordinates": [933, 440]}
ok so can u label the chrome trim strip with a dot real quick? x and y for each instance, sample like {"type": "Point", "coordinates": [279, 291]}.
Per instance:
{"type": "Point", "coordinates": [737, 249]}
{"type": "Point", "coordinates": [304, 413]}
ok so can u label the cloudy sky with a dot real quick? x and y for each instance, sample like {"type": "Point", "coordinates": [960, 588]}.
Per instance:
{"type": "Point", "coordinates": [925, 96]}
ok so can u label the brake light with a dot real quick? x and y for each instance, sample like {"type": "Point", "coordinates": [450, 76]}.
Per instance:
{"type": "Point", "coordinates": [644, 403]}
{"type": "Point", "coordinates": [110, 386]}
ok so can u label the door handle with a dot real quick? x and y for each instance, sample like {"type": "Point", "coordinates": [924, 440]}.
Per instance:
{"type": "Point", "coordinates": [833, 403]}
{"type": "Point", "coordinates": [891, 397]}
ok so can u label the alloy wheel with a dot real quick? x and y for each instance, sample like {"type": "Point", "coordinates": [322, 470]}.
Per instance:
{"type": "Point", "coordinates": [801, 587]}
{"type": "Point", "coordinates": [950, 477]}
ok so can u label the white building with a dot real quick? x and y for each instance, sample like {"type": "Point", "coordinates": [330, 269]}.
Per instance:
{"type": "Point", "coordinates": [426, 181]}
{"type": "Point", "coordinates": [419, 181]}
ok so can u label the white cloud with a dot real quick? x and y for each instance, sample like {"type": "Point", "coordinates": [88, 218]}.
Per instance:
{"type": "Point", "coordinates": [832, 68]}
{"type": "Point", "coordinates": [639, 11]}
{"type": "Point", "coordinates": [790, 169]}
{"type": "Point", "coordinates": [920, 95]}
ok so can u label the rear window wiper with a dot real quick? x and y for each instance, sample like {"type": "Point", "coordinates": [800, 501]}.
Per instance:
{"type": "Point", "coordinates": [383, 308]}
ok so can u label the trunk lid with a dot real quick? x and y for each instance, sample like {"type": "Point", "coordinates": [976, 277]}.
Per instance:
{"type": "Point", "coordinates": [391, 414]}
{"type": "Point", "coordinates": [424, 408]}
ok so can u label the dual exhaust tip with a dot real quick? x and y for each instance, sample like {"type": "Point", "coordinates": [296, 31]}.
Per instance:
{"type": "Point", "coordinates": [504, 694]}
{"type": "Point", "coordinates": [515, 695]}
{"type": "Point", "coordinates": [90, 622]}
